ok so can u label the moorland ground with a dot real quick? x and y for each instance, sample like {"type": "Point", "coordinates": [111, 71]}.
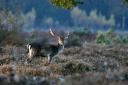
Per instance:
{"type": "Point", "coordinates": [90, 64]}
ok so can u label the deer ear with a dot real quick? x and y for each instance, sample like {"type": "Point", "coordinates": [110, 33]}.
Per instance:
{"type": "Point", "coordinates": [51, 32]}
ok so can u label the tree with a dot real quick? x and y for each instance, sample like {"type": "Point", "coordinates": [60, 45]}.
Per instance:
{"type": "Point", "coordinates": [66, 4]}
{"type": "Point", "coordinates": [126, 1]}
{"type": "Point", "coordinates": [69, 4]}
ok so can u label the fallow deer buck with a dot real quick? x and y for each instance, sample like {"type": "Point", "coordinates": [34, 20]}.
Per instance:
{"type": "Point", "coordinates": [50, 49]}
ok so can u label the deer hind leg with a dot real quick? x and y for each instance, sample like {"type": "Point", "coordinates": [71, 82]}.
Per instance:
{"type": "Point", "coordinates": [49, 58]}
{"type": "Point", "coordinates": [31, 54]}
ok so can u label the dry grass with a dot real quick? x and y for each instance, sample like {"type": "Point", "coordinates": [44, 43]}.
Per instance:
{"type": "Point", "coordinates": [95, 64]}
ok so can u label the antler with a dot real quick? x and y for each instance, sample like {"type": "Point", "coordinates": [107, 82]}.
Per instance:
{"type": "Point", "coordinates": [67, 35]}
{"type": "Point", "coordinates": [51, 32]}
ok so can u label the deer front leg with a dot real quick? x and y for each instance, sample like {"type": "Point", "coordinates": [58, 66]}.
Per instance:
{"type": "Point", "coordinates": [49, 58]}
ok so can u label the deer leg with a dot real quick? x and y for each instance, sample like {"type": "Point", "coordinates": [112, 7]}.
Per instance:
{"type": "Point", "coordinates": [31, 54]}
{"type": "Point", "coordinates": [49, 58]}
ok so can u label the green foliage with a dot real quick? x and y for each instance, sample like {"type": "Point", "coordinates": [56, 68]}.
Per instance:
{"type": "Point", "coordinates": [69, 4]}
{"type": "Point", "coordinates": [121, 40]}
{"type": "Point", "coordinates": [125, 1]}
{"type": "Point", "coordinates": [102, 39]}
{"type": "Point", "coordinates": [105, 37]}
{"type": "Point", "coordinates": [110, 33]}
{"type": "Point", "coordinates": [110, 37]}
{"type": "Point", "coordinates": [66, 4]}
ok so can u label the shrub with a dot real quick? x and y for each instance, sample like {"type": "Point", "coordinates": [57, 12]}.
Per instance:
{"type": "Point", "coordinates": [71, 68]}
{"type": "Point", "coordinates": [10, 28]}
{"type": "Point", "coordinates": [82, 31]}
{"type": "Point", "coordinates": [110, 38]}
{"type": "Point", "coordinates": [74, 40]}
{"type": "Point", "coordinates": [102, 39]}
{"type": "Point", "coordinates": [110, 33]}
{"type": "Point", "coordinates": [13, 37]}
{"type": "Point", "coordinates": [2, 34]}
{"type": "Point", "coordinates": [121, 40]}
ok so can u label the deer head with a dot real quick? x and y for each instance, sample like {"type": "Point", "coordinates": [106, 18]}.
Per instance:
{"type": "Point", "coordinates": [60, 39]}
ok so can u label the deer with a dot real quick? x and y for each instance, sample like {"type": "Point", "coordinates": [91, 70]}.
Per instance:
{"type": "Point", "coordinates": [50, 49]}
